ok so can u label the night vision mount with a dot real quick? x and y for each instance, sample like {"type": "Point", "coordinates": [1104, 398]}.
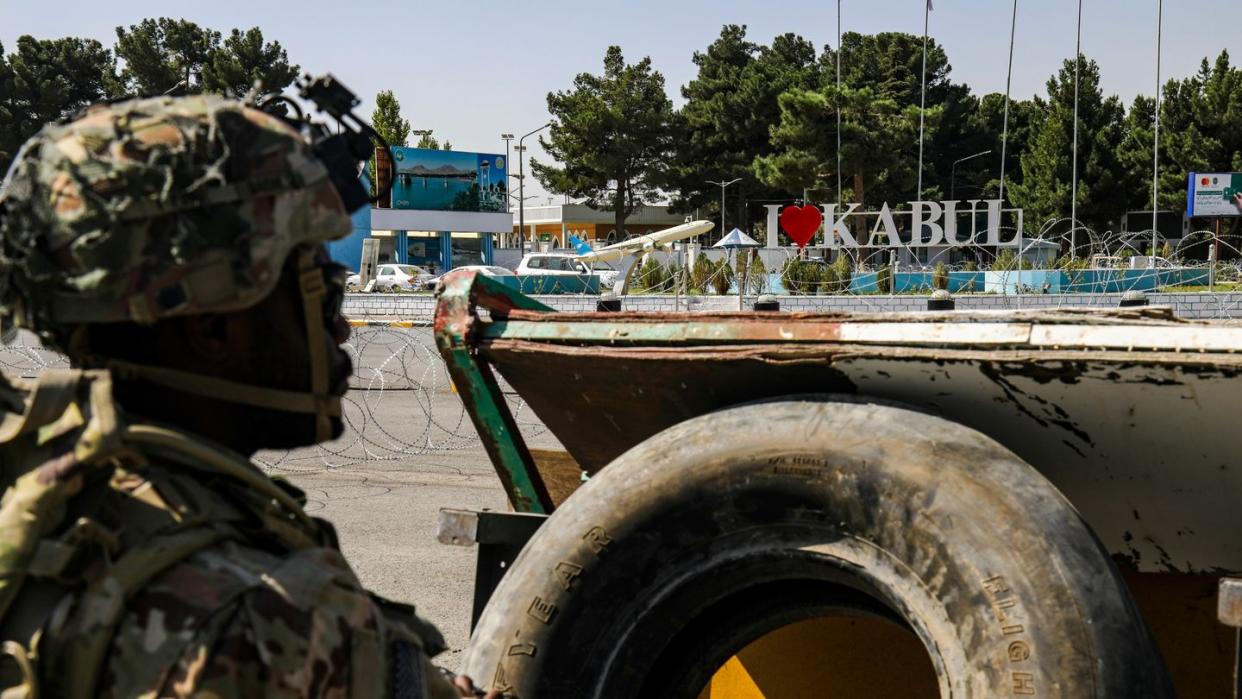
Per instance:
{"type": "Point", "coordinates": [345, 149]}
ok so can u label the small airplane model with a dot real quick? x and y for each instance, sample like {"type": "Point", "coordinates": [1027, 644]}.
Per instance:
{"type": "Point", "coordinates": [631, 250]}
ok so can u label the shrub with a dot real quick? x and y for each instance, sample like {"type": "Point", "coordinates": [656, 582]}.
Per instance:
{"type": "Point", "coordinates": [940, 276]}
{"type": "Point", "coordinates": [700, 274]}
{"type": "Point", "coordinates": [757, 281]}
{"type": "Point", "coordinates": [722, 277]}
{"type": "Point", "coordinates": [651, 276]}
{"type": "Point", "coordinates": [789, 275]}
{"type": "Point", "coordinates": [841, 267]}
{"type": "Point", "coordinates": [884, 280]}
{"type": "Point", "coordinates": [673, 277]}
{"type": "Point", "coordinates": [1005, 259]}
{"type": "Point", "coordinates": [827, 278]}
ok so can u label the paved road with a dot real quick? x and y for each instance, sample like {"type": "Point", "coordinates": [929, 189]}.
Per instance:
{"type": "Point", "coordinates": [385, 510]}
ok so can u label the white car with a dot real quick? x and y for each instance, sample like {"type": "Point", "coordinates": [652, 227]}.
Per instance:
{"type": "Point", "coordinates": [551, 263]}
{"type": "Point", "coordinates": [489, 270]}
{"type": "Point", "coordinates": [393, 276]}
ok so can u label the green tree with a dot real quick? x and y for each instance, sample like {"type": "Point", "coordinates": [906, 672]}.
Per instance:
{"type": "Point", "coordinates": [1218, 110]}
{"type": "Point", "coordinates": [233, 67]}
{"type": "Point", "coordinates": [1047, 166]}
{"type": "Point", "coordinates": [879, 148]}
{"type": "Point", "coordinates": [161, 54]}
{"type": "Point", "coordinates": [891, 63]}
{"type": "Point", "coordinates": [8, 113]}
{"type": "Point", "coordinates": [612, 134]}
{"type": "Point", "coordinates": [48, 79]}
{"type": "Point", "coordinates": [879, 105]}
{"type": "Point", "coordinates": [429, 141]}
{"type": "Point", "coordinates": [386, 119]}
{"type": "Point", "coordinates": [730, 107]}
{"type": "Point", "coordinates": [979, 178]}
{"type": "Point", "coordinates": [1199, 132]}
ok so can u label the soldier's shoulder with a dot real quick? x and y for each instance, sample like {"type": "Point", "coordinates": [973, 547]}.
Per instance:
{"type": "Point", "coordinates": [233, 620]}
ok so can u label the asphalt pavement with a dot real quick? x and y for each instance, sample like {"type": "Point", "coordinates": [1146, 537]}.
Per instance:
{"type": "Point", "coordinates": [382, 488]}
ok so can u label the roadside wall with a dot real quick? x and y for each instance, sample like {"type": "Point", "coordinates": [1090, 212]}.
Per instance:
{"type": "Point", "coordinates": [420, 307]}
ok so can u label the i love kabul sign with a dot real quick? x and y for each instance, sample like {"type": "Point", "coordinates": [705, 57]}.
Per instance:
{"type": "Point", "coordinates": [931, 223]}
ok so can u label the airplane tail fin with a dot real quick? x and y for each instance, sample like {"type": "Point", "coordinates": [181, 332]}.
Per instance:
{"type": "Point", "coordinates": [582, 246]}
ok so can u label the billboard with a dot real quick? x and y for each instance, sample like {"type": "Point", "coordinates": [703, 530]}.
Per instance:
{"type": "Point", "coordinates": [1211, 193]}
{"type": "Point", "coordinates": [446, 180]}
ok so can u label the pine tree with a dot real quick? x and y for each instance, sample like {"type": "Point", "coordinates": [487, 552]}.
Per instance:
{"type": "Point", "coordinates": [233, 67]}
{"type": "Point", "coordinates": [612, 133]}
{"type": "Point", "coordinates": [1047, 168]}
{"type": "Point", "coordinates": [164, 54]}
{"type": "Point", "coordinates": [45, 80]}
{"type": "Point", "coordinates": [730, 106]}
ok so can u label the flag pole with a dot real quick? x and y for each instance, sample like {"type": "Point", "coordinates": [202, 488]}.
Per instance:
{"type": "Point", "coordinates": [1013, 26]}
{"type": "Point", "coordinates": [1155, 168]}
{"type": "Point", "coordinates": [838, 103]}
{"type": "Point", "coordinates": [923, 97]}
{"type": "Point", "coordinates": [1074, 186]}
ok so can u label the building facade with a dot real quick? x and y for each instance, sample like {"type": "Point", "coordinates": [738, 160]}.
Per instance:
{"type": "Point", "coordinates": [558, 222]}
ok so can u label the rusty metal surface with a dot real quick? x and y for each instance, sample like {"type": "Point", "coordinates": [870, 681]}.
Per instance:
{"type": "Point", "coordinates": [1130, 414]}
{"type": "Point", "coordinates": [456, 323]}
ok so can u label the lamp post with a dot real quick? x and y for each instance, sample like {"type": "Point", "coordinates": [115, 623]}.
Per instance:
{"type": "Point", "coordinates": [522, 186]}
{"type": "Point", "coordinates": [506, 137]}
{"type": "Point", "coordinates": [722, 184]}
{"type": "Point", "coordinates": [953, 171]}
{"type": "Point", "coordinates": [420, 132]}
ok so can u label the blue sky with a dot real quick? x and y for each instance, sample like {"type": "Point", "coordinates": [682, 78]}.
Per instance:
{"type": "Point", "coordinates": [471, 71]}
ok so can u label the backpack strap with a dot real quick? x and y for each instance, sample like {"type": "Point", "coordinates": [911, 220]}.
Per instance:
{"type": "Point", "coordinates": [34, 505]}
{"type": "Point", "coordinates": [84, 623]}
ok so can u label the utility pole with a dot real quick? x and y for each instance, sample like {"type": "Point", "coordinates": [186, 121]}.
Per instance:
{"type": "Point", "coordinates": [522, 186]}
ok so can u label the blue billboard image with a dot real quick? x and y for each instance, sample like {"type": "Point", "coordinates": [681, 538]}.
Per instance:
{"type": "Point", "coordinates": [445, 180]}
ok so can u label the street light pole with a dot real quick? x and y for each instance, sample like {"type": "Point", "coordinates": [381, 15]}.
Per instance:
{"type": "Point", "coordinates": [722, 184]}
{"type": "Point", "coordinates": [953, 171]}
{"type": "Point", "coordinates": [507, 137]}
{"type": "Point", "coordinates": [522, 186]}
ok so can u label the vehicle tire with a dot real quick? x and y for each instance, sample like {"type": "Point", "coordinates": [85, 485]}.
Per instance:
{"type": "Point", "coordinates": [720, 529]}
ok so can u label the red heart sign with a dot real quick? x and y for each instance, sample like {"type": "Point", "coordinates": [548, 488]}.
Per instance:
{"type": "Point", "coordinates": [801, 223]}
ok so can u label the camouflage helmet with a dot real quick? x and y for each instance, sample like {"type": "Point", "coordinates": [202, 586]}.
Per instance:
{"type": "Point", "coordinates": [153, 208]}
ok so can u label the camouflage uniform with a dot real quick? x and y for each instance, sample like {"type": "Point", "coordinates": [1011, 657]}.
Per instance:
{"type": "Point", "coordinates": [137, 559]}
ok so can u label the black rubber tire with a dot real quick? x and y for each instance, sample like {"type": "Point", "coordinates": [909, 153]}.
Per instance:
{"type": "Point", "coordinates": [717, 530]}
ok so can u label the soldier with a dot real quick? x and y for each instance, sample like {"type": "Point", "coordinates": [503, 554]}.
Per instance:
{"type": "Point", "coordinates": [172, 248]}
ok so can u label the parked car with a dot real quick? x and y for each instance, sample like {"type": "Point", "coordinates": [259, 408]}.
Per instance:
{"type": "Point", "coordinates": [390, 277]}
{"type": "Point", "coordinates": [553, 263]}
{"type": "Point", "coordinates": [490, 270]}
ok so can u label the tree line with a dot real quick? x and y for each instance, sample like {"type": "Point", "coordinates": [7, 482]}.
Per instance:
{"type": "Point", "coordinates": [44, 80]}
{"type": "Point", "coordinates": [767, 115]}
